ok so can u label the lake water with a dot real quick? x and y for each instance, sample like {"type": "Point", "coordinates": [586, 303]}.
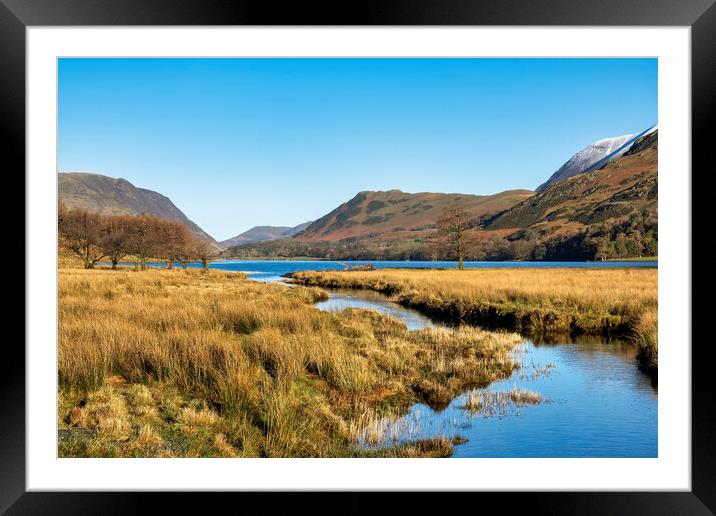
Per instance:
{"type": "Point", "coordinates": [273, 270]}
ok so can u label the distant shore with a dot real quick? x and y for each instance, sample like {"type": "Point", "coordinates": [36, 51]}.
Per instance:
{"type": "Point", "coordinates": [642, 259]}
{"type": "Point", "coordinates": [318, 259]}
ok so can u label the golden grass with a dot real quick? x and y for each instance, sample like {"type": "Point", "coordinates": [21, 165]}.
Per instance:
{"type": "Point", "coordinates": [66, 259]}
{"type": "Point", "coordinates": [191, 418]}
{"type": "Point", "coordinates": [618, 302]}
{"type": "Point", "coordinates": [192, 364]}
{"type": "Point", "coordinates": [105, 412]}
{"type": "Point", "coordinates": [148, 437]}
{"type": "Point", "coordinates": [224, 447]}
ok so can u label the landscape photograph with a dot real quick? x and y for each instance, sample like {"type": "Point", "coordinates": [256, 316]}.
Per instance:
{"type": "Point", "coordinates": [357, 257]}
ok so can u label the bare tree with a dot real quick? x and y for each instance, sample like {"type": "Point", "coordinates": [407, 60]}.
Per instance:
{"type": "Point", "coordinates": [93, 237]}
{"type": "Point", "coordinates": [203, 251]}
{"type": "Point", "coordinates": [115, 240]}
{"type": "Point", "coordinates": [81, 232]}
{"type": "Point", "coordinates": [62, 212]}
{"type": "Point", "coordinates": [175, 238]}
{"type": "Point", "coordinates": [186, 254]}
{"type": "Point", "coordinates": [142, 239]}
{"type": "Point", "coordinates": [453, 225]}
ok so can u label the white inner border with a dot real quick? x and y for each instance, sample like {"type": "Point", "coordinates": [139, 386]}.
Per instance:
{"type": "Point", "coordinates": [672, 469]}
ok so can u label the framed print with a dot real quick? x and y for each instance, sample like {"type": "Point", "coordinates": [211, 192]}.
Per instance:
{"type": "Point", "coordinates": [411, 249]}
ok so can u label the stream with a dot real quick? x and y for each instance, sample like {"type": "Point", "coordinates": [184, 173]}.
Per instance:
{"type": "Point", "coordinates": [596, 402]}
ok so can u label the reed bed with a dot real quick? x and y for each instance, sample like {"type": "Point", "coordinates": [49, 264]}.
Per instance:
{"type": "Point", "coordinates": [170, 363]}
{"type": "Point", "coordinates": [612, 302]}
{"type": "Point", "coordinates": [488, 403]}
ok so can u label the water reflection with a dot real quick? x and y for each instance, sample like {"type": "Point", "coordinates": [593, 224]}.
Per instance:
{"type": "Point", "coordinates": [597, 403]}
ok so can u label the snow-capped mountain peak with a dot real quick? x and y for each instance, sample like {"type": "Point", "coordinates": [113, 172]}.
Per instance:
{"type": "Point", "coordinates": [594, 156]}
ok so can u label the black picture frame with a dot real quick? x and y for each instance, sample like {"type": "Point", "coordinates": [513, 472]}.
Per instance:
{"type": "Point", "coordinates": [700, 15]}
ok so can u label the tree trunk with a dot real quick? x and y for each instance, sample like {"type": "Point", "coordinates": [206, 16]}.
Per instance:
{"type": "Point", "coordinates": [143, 264]}
{"type": "Point", "coordinates": [170, 264]}
{"type": "Point", "coordinates": [84, 253]}
{"type": "Point", "coordinates": [114, 263]}
{"type": "Point", "coordinates": [204, 265]}
{"type": "Point", "coordinates": [459, 263]}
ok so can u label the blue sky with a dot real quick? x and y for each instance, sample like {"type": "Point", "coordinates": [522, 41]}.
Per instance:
{"type": "Point", "coordinates": [236, 143]}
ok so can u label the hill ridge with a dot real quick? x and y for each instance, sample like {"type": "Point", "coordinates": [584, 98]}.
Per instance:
{"type": "Point", "coordinates": [264, 233]}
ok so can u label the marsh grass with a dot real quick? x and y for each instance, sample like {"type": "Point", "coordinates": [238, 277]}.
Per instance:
{"type": "Point", "coordinates": [180, 363]}
{"type": "Point", "coordinates": [611, 302]}
{"type": "Point", "coordinates": [488, 403]}
{"type": "Point", "coordinates": [645, 334]}
{"type": "Point", "coordinates": [535, 371]}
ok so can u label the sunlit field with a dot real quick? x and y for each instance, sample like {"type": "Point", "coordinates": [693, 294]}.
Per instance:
{"type": "Point", "coordinates": [181, 363]}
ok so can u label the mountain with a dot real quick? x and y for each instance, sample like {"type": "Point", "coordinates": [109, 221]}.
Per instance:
{"type": "Point", "coordinates": [264, 234]}
{"type": "Point", "coordinates": [610, 212]}
{"type": "Point", "coordinates": [111, 196]}
{"type": "Point", "coordinates": [396, 215]}
{"type": "Point", "coordinates": [594, 156]}
{"type": "Point", "coordinates": [626, 184]}
{"type": "Point", "coordinates": [380, 225]}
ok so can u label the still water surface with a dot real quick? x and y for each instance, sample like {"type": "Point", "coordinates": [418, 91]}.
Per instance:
{"type": "Point", "coordinates": [598, 403]}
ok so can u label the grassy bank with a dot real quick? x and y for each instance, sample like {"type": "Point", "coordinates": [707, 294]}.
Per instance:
{"type": "Point", "coordinates": [176, 363]}
{"type": "Point", "coordinates": [607, 302]}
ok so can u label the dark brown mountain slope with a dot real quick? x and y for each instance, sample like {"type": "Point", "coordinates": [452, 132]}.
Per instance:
{"type": "Point", "coordinates": [111, 196]}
